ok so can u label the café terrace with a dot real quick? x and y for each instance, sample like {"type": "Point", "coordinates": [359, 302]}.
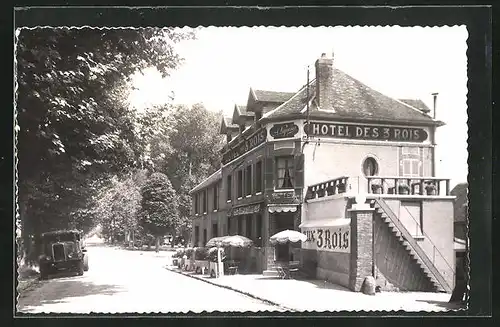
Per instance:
{"type": "Point", "coordinates": [351, 168]}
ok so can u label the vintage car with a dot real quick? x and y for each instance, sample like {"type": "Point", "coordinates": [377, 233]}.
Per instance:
{"type": "Point", "coordinates": [62, 250]}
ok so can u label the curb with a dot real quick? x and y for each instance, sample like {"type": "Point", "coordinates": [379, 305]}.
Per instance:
{"type": "Point", "coordinates": [232, 289]}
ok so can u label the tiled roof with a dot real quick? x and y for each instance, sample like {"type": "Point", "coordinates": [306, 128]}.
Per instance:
{"type": "Point", "coordinates": [210, 180]}
{"type": "Point", "coordinates": [416, 103]}
{"type": "Point", "coordinates": [272, 96]}
{"type": "Point", "coordinates": [351, 100]}
{"type": "Point", "coordinates": [460, 191]}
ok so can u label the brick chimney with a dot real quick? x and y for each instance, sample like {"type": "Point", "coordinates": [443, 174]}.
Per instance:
{"type": "Point", "coordinates": [324, 82]}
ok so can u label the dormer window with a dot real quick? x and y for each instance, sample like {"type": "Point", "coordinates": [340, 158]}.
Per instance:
{"type": "Point", "coordinates": [228, 137]}
{"type": "Point", "coordinates": [242, 128]}
{"type": "Point", "coordinates": [258, 115]}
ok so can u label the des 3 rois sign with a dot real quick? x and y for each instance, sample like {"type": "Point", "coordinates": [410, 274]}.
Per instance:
{"type": "Point", "coordinates": [366, 132]}
{"type": "Point", "coordinates": [333, 239]}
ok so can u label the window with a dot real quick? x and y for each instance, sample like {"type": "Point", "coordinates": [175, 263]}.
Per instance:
{"type": "Point", "coordinates": [370, 167]}
{"type": "Point", "coordinates": [284, 169]}
{"type": "Point", "coordinates": [214, 230]}
{"type": "Point", "coordinates": [410, 162]}
{"type": "Point", "coordinates": [216, 197]}
{"type": "Point", "coordinates": [205, 202]}
{"type": "Point", "coordinates": [204, 237]}
{"type": "Point", "coordinates": [196, 203]}
{"type": "Point", "coordinates": [248, 180]}
{"type": "Point", "coordinates": [258, 177]}
{"type": "Point", "coordinates": [228, 225]}
{"type": "Point", "coordinates": [249, 226]}
{"type": "Point", "coordinates": [196, 235]}
{"type": "Point", "coordinates": [240, 183]}
{"type": "Point", "coordinates": [242, 128]}
{"type": "Point", "coordinates": [229, 188]}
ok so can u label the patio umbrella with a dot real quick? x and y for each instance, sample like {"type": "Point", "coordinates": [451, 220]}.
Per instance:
{"type": "Point", "coordinates": [237, 241]}
{"type": "Point", "coordinates": [216, 241]}
{"type": "Point", "coordinates": [287, 236]}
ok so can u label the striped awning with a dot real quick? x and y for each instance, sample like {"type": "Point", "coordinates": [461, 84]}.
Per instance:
{"type": "Point", "coordinates": [282, 208]}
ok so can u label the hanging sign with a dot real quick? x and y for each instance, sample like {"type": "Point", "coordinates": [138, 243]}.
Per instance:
{"type": "Point", "coordinates": [332, 239]}
{"type": "Point", "coordinates": [366, 132]}
{"type": "Point", "coordinates": [245, 145]}
{"type": "Point", "coordinates": [281, 131]}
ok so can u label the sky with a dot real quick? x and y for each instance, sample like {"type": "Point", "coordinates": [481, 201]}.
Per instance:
{"type": "Point", "coordinates": [402, 62]}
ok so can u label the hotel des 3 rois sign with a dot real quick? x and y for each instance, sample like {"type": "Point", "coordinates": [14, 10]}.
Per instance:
{"type": "Point", "coordinates": [366, 132]}
{"type": "Point", "coordinates": [245, 145]}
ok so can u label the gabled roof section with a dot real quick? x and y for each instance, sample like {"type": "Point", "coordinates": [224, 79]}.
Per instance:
{"type": "Point", "coordinates": [209, 181]}
{"type": "Point", "coordinates": [272, 96]}
{"type": "Point", "coordinates": [241, 111]}
{"type": "Point", "coordinates": [268, 97]}
{"type": "Point", "coordinates": [416, 103]}
{"type": "Point", "coordinates": [352, 100]}
{"type": "Point", "coordinates": [226, 124]}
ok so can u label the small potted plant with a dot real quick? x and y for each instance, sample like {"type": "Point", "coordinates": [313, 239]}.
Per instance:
{"type": "Point", "coordinates": [430, 189]}
{"type": "Point", "coordinates": [341, 187]}
{"type": "Point", "coordinates": [376, 188]}
{"type": "Point", "coordinates": [403, 188]}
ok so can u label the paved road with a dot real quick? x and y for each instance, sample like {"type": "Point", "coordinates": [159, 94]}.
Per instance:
{"type": "Point", "coordinates": [121, 281]}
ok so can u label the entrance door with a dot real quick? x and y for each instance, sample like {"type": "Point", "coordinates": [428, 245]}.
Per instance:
{"type": "Point", "coordinates": [283, 221]}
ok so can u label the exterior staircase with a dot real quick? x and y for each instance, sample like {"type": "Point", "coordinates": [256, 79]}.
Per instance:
{"type": "Point", "coordinates": [411, 246]}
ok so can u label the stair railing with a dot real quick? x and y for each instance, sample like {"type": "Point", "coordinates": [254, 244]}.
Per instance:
{"type": "Point", "coordinates": [407, 237]}
{"type": "Point", "coordinates": [435, 249]}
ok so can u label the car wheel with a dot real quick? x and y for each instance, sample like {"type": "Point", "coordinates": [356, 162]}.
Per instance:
{"type": "Point", "coordinates": [80, 268]}
{"type": "Point", "coordinates": [43, 272]}
{"type": "Point", "coordinates": [85, 263]}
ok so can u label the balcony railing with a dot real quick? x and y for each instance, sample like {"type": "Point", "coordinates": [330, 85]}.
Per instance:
{"type": "Point", "coordinates": [330, 187]}
{"type": "Point", "coordinates": [430, 186]}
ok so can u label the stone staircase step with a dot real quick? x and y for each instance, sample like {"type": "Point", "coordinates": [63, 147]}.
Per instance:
{"type": "Point", "coordinates": [270, 273]}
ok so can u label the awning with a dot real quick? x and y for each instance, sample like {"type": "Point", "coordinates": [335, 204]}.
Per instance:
{"type": "Point", "coordinates": [282, 208]}
{"type": "Point", "coordinates": [326, 223]}
{"type": "Point", "coordinates": [245, 210]}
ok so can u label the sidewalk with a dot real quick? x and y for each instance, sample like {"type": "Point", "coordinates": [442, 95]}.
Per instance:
{"type": "Point", "coordinates": [315, 295]}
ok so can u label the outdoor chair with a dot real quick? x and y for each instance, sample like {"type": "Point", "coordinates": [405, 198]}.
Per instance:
{"type": "Point", "coordinates": [281, 272]}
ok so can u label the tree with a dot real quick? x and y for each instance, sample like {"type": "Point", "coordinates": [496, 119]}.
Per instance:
{"type": "Point", "coordinates": [159, 206]}
{"type": "Point", "coordinates": [71, 116]}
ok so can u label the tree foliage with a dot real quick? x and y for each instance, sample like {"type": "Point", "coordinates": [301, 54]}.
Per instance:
{"type": "Point", "coordinates": [74, 128]}
{"type": "Point", "coordinates": [159, 205]}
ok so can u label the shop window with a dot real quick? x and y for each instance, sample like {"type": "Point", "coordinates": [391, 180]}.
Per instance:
{"type": "Point", "coordinates": [248, 231]}
{"type": "Point", "coordinates": [258, 176]}
{"type": "Point", "coordinates": [285, 172]}
{"type": "Point", "coordinates": [205, 202]}
{"type": "Point", "coordinates": [370, 167]}
{"type": "Point", "coordinates": [248, 180]}
{"type": "Point", "coordinates": [214, 230]}
{"type": "Point", "coordinates": [258, 237]}
{"type": "Point", "coordinates": [229, 186]}
{"type": "Point", "coordinates": [240, 225]}
{"type": "Point", "coordinates": [240, 183]}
